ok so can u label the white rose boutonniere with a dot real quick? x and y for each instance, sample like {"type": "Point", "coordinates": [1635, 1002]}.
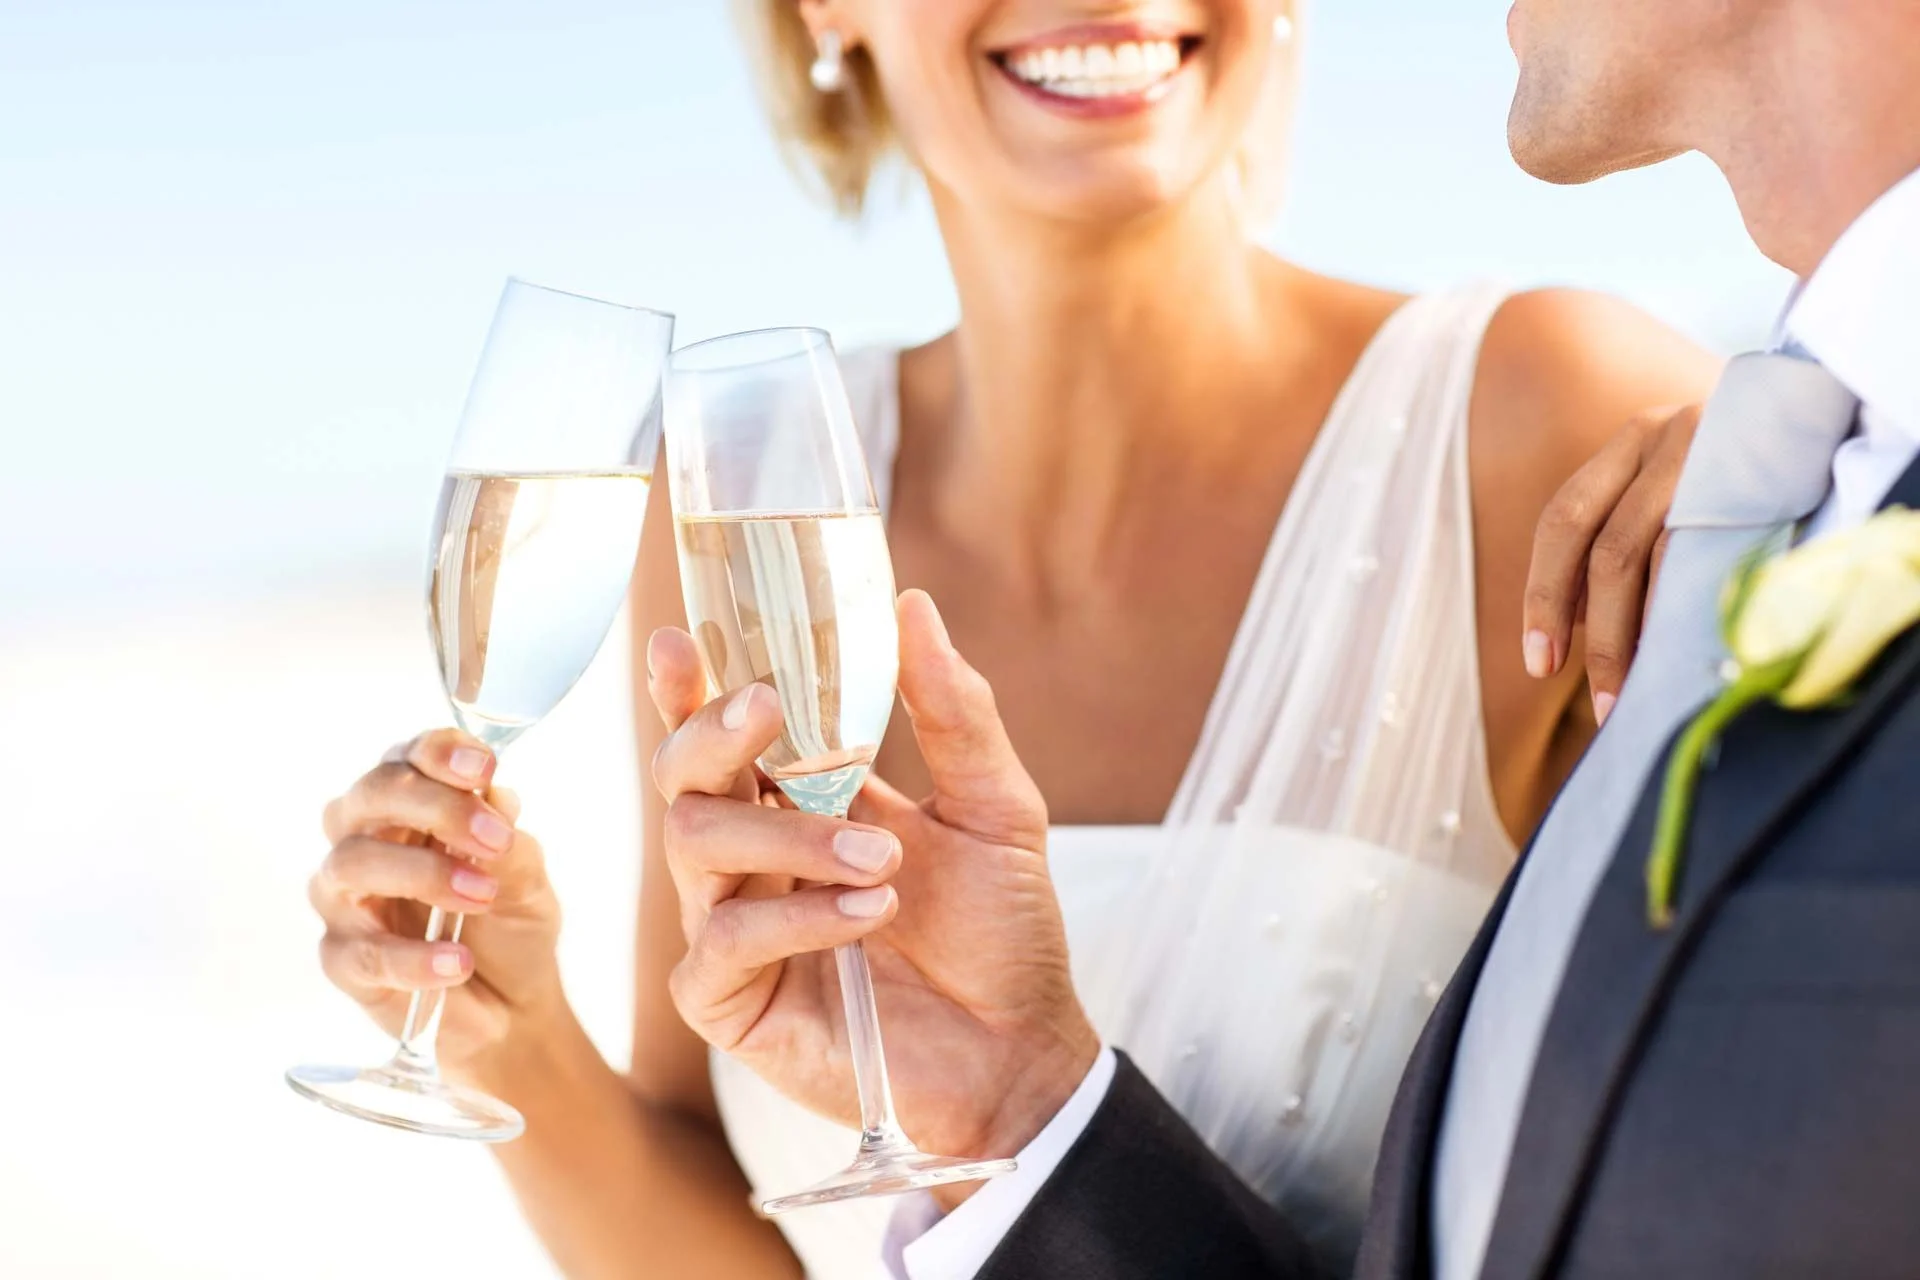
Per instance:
{"type": "Point", "coordinates": [1801, 626]}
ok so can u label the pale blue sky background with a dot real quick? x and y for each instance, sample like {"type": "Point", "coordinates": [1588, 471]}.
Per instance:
{"type": "Point", "coordinates": [249, 248]}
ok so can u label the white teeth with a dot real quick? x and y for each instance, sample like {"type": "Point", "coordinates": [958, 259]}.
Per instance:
{"type": "Point", "coordinates": [1098, 70]}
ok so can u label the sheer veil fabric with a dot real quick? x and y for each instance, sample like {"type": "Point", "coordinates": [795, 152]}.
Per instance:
{"type": "Point", "coordinates": [1269, 954]}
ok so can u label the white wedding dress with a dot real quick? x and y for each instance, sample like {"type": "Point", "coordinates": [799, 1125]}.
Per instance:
{"type": "Point", "coordinates": [1269, 954]}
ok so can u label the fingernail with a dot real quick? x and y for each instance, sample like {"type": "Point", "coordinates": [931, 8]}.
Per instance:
{"type": "Point", "coordinates": [652, 640]}
{"type": "Point", "coordinates": [1602, 707]}
{"type": "Point", "coordinates": [468, 762]}
{"type": "Point", "coordinates": [734, 716]}
{"type": "Point", "coordinates": [1539, 651]}
{"type": "Point", "coordinates": [863, 850]}
{"type": "Point", "coordinates": [866, 904]}
{"type": "Point", "coordinates": [469, 883]}
{"type": "Point", "coordinates": [491, 832]}
{"type": "Point", "coordinates": [449, 963]}
{"type": "Point", "coordinates": [939, 626]}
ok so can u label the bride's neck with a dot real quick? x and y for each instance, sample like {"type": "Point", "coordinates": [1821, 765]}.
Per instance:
{"type": "Point", "coordinates": [1085, 364]}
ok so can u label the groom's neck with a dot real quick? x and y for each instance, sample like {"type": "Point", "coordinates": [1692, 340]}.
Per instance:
{"type": "Point", "coordinates": [1820, 120]}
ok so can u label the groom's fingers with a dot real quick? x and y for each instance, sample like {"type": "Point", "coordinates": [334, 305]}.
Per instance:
{"type": "Point", "coordinates": [715, 747]}
{"type": "Point", "coordinates": [675, 679]}
{"type": "Point", "coordinates": [979, 784]}
{"type": "Point", "coordinates": [713, 841]}
{"type": "Point", "coordinates": [729, 974]}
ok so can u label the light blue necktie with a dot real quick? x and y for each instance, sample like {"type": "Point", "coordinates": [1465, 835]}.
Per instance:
{"type": "Point", "coordinates": [1761, 459]}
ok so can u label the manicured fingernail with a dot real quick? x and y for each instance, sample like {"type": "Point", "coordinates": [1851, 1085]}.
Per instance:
{"type": "Point", "coordinates": [866, 904]}
{"type": "Point", "coordinates": [863, 850]}
{"type": "Point", "coordinates": [1602, 707]}
{"type": "Point", "coordinates": [1539, 651]}
{"type": "Point", "coordinates": [469, 883]}
{"type": "Point", "coordinates": [734, 715]}
{"type": "Point", "coordinates": [449, 963]}
{"type": "Point", "coordinates": [468, 762]}
{"type": "Point", "coordinates": [491, 832]}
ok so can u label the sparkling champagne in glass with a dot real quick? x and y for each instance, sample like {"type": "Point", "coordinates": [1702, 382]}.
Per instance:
{"type": "Point", "coordinates": [784, 564]}
{"type": "Point", "coordinates": [533, 548]}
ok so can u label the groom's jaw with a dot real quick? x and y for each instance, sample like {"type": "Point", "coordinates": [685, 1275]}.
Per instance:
{"type": "Point", "coordinates": [1602, 83]}
{"type": "Point", "coordinates": [1811, 108]}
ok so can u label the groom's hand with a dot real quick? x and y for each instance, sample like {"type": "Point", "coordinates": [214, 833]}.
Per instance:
{"type": "Point", "coordinates": [984, 1035]}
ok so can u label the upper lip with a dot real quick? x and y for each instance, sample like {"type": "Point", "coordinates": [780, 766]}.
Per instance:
{"type": "Point", "coordinates": [1098, 33]}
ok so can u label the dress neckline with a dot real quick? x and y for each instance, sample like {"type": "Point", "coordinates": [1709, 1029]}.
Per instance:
{"type": "Point", "coordinates": [886, 444]}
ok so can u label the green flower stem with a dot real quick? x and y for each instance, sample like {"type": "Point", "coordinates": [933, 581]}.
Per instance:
{"type": "Point", "coordinates": [1683, 777]}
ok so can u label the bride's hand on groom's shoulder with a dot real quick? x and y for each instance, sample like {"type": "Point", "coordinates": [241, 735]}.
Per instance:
{"type": "Point", "coordinates": [1598, 547]}
{"type": "Point", "coordinates": [985, 1037]}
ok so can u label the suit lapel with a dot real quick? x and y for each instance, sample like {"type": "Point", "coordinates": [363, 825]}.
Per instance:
{"type": "Point", "coordinates": [1906, 490]}
{"type": "Point", "coordinates": [1395, 1246]}
{"type": "Point", "coordinates": [1772, 762]}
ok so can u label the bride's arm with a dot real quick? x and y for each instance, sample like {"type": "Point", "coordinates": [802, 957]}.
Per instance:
{"type": "Point", "coordinates": [631, 1175]}
{"type": "Point", "coordinates": [1571, 477]}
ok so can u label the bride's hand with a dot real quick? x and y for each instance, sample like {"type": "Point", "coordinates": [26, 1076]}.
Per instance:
{"type": "Point", "coordinates": [985, 1038]}
{"type": "Point", "coordinates": [427, 829]}
{"type": "Point", "coordinates": [1597, 551]}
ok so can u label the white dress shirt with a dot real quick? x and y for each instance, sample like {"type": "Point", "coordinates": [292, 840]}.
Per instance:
{"type": "Point", "coordinates": [1858, 315]}
{"type": "Point", "coordinates": [921, 1245]}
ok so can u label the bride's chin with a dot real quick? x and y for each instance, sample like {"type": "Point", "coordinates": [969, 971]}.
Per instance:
{"type": "Point", "coordinates": [1097, 194]}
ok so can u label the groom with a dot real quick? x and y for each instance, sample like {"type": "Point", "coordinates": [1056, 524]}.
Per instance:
{"type": "Point", "coordinates": [1736, 1095]}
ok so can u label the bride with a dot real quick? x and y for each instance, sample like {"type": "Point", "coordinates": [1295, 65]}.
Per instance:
{"type": "Point", "coordinates": [1244, 552]}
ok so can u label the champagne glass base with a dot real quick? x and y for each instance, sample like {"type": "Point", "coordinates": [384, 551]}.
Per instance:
{"type": "Point", "coordinates": [888, 1171]}
{"type": "Point", "coordinates": [406, 1097]}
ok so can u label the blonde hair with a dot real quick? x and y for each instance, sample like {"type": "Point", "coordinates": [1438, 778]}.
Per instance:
{"type": "Point", "coordinates": [834, 140]}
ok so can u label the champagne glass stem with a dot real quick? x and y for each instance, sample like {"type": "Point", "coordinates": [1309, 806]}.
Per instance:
{"type": "Point", "coordinates": [424, 1009]}
{"type": "Point", "coordinates": [422, 1027]}
{"type": "Point", "coordinates": [878, 1127]}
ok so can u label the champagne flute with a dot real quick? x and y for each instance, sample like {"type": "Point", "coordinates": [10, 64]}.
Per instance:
{"type": "Point", "coordinates": [783, 560]}
{"type": "Point", "coordinates": [533, 549]}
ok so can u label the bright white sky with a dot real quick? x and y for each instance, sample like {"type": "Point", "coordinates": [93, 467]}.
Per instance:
{"type": "Point", "coordinates": [248, 250]}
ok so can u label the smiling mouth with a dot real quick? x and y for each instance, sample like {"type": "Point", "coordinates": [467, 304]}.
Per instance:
{"type": "Point", "coordinates": [1087, 71]}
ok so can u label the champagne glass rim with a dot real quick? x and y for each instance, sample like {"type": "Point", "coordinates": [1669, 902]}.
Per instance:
{"type": "Point", "coordinates": [811, 338]}
{"type": "Point", "coordinates": [523, 283]}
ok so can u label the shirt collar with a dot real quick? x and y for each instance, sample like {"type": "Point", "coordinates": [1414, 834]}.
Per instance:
{"type": "Point", "coordinates": [1859, 312]}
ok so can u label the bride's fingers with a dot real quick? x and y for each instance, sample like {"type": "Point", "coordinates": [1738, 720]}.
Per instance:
{"type": "Point", "coordinates": [368, 965]}
{"type": "Point", "coordinates": [1563, 541]}
{"type": "Point", "coordinates": [400, 796]}
{"type": "Point", "coordinates": [360, 867]}
{"type": "Point", "coordinates": [979, 783]}
{"type": "Point", "coordinates": [1619, 581]}
{"type": "Point", "coordinates": [1626, 556]}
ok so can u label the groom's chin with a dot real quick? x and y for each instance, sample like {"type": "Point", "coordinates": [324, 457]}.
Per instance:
{"type": "Point", "coordinates": [1570, 152]}
{"type": "Point", "coordinates": [1567, 156]}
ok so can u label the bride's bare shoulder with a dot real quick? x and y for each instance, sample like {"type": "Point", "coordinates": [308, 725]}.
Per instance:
{"type": "Point", "coordinates": [1563, 370]}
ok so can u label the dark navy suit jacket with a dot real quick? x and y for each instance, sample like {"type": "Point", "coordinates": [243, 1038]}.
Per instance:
{"type": "Point", "coordinates": [1735, 1096]}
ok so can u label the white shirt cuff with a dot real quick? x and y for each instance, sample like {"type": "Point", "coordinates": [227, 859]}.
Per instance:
{"type": "Point", "coordinates": [922, 1245]}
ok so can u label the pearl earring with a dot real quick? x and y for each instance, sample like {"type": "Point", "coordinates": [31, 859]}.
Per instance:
{"type": "Point", "coordinates": [1282, 29]}
{"type": "Point", "coordinates": [829, 70]}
